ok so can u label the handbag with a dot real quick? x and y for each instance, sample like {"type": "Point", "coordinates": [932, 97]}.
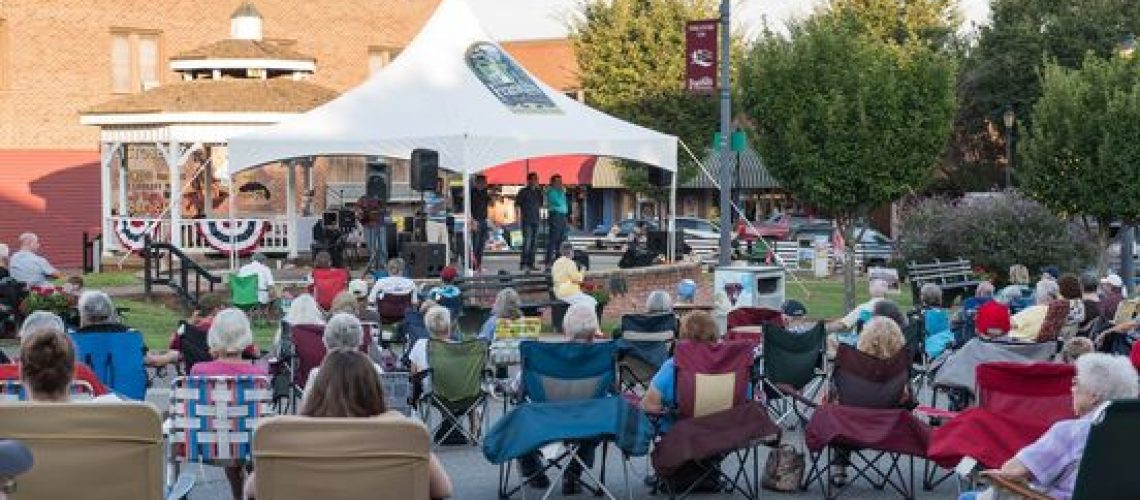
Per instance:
{"type": "Point", "coordinates": [784, 470]}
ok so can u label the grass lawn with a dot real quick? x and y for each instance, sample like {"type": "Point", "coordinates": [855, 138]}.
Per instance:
{"type": "Point", "coordinates": [110, 279]}
{"type": "Point", "coordinates": [157, 322]}
{"type": "Point", "coordinates": [824, 299]}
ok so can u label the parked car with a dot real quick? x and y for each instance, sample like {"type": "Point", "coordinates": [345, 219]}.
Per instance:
{"type": "Point", "coordinates": [783, 226]}
{"type": "Point", "coordinates": [695, 227]}
{"type": "Point", "coordinates": [875, 247]}
{"type": "Point", "coordinates": [625, 226]}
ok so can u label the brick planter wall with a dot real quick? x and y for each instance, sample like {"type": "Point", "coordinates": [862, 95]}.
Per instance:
{"type": "Point", "coordinates": [640, 282]}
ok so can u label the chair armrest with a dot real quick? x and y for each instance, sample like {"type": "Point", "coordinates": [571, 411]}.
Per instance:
{"type": "Point", "coordinates": [1017, 486]}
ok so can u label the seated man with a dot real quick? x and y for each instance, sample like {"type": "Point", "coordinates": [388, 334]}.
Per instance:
{"type": "Point", "coordinates": [878, 291]}
{"type": "Point", "coordinates": [1052, 462]}
{"type": "Point", "coordinates": [42, 321]}
{"type": "Point", "coordinates": [395, 283]}
{"type": "Point", "coordinates": [567, 278]}
{"type": "Point", "coordinates": [257, 267]}
{"type": "Point", "coordinates": [28, 266]}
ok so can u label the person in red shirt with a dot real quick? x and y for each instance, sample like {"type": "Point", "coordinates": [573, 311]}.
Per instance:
{"type": "Point", "coordinates": [992, 319]}
{"type": "Point", "coordinates": [43, 321]}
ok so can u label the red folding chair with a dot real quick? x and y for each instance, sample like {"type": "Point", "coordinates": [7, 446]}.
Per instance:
{"type": "Point", "coordinates": [748, 322]}
{"type": "Point", "coordinates": [1017, 403]}
{"type": "Point", "coordinates": [327, 283]}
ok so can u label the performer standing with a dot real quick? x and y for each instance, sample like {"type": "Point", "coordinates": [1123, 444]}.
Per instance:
{"type": "Point", "coordinates": [557, 210]}
{"type": "Point", "coordinates": [370, 213]}
{"type": "Point", "coordinates": [480, 201]}
{"type": "Point", "coordinates": [528, 204]}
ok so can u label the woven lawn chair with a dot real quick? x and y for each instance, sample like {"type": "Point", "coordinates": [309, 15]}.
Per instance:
{"type": "Point", "coordinates": [89, 451]}
{"type": "Point", "coordinates": [212, 419]}
{"type": "Point", "coordinates": [458, 371]}
{"type": "Point", "coordinates": [1105, 472]}
{"type": "Point", "coordinates": [302, 458]}
{"type": "Point", "coordinates": [13, 391]}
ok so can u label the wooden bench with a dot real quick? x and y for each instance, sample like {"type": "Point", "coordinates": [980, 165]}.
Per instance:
{"type": "Point", "coordinates": [954, 277]}
{"type": "Point", "coordinates": [535, 289]}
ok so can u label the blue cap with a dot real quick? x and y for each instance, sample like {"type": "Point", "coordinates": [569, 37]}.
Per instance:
{"type": "Point", "coordinates": [15, 458]}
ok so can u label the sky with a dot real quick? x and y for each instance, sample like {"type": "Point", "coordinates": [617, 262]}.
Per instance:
{"type": "Point", "coordinates": [535, 19]}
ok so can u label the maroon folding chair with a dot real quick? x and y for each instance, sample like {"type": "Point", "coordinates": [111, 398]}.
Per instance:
{"type": "Point", "coordinates": [1017, 403]}
{"type": "Point", "coordinates": [715, 420]}
{"type": "Point", "coordinates": [748, 322]}
{"type": "Point", "coordinates": [392, 306]}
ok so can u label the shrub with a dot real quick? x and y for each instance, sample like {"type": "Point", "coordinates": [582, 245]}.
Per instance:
{"type": "Point", "coordinates": [993, 231]}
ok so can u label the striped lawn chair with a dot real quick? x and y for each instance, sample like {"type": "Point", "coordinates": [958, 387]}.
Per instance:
{"type": "Point", "coordinates": [397, 391]}
{"type": "Point", "coordinates": [212, 419]}
{"type": "Point", "coordinates": [13, 391]}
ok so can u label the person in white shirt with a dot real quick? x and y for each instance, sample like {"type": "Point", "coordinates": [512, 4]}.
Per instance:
{"type": "Point", "coordinates": [394, 283]}
{"type": "Point", "coordinates": [27, 266]}
{"type": "Point", "coordinates": [878, 291]}
{"type": "Point", "coordinates": [257, 267]}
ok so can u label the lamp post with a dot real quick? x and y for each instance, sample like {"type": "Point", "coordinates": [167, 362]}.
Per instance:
{"type": "Point", "coordinates": [1010, 119]}
{"type": "Point", "coordinates": [723, 156]}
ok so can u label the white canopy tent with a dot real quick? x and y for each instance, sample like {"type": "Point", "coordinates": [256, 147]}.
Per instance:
{"type": "Point", "coordinates": [455, 91]}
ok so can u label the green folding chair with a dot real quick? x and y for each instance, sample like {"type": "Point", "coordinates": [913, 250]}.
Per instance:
{"type": "Point", "coordinates": [243, 295]}
{"type": "Point", "coordinates": [794, 372]}
{"type": "Point", "coordinates": [1106, 471]}
{"type": "Point", "coordinates": [458, 372]}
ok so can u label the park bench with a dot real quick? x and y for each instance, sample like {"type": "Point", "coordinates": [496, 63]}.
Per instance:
{"type": "Point", "coordinates": [954, 277]}
{"type": "Point", "coordinates": [535, 289]}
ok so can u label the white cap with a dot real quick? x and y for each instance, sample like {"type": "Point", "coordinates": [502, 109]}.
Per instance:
{"type": "Point", "coordinates": [358, 287]}
{"type": "Point", "coordinates": [1113, 280]}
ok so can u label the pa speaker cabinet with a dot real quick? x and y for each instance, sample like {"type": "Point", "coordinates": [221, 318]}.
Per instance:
{"type": "Point", "coordinates": [424, 169]}
{"type": "Point", "coordinates": [425, 260]}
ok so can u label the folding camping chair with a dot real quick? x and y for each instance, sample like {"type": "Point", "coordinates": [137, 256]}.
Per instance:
{"type": "Point", "coordinates": [749, 322]}
{"type": "Point", "coordinates": [955, 375]}
{"type": "Point", "coordinates": [1105, 473]}
{"type": "Point", "coordinates": [561, 386]}
{"type": "Point", "coordinates": [392, 309]}
{"type": "Point", "coordinates": [458, 371]}
{"type": "Point", "coordinates": [244, 295]}
{"type": "Point", "coordinates": [12, 391]}
{"type": "Point", "coordinates": [212, 420]}
{"type": "Point", "coordinates": [300, 349]}
{"type": "Point", "coordinates": [93, 451]}
{"type": "Point", "coordinates": [793, 370]}
{"type": "Point", "coordinates": [193, 346]}
{"type": "Point", "coordinates": [302, 458]}
{"type": "Point", "coordinates": [1017, 402]}
{"type": "Point", "coordinates": [646, 340]}
{"type": "Point", "coordinates": [116, 358]}
{"type": "Point", "coordinates": [327, 283]}
{"type": "Point", "coordinates": [713, 384]}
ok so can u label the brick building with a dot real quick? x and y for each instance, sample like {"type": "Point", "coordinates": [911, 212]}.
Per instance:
{"type": "Point", "coordinates": [58, 58]}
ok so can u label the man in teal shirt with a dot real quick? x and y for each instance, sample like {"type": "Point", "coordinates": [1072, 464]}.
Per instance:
{"type": "Point", "coordinates": [557, 211]}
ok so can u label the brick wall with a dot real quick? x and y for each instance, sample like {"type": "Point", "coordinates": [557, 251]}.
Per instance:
{"type": "Point", "coordinates": [639, 283]}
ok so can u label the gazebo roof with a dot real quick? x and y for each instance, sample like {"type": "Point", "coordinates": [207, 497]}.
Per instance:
{"type": "Point", "coordinates": [277, 95]}
{"type": "Point", "coordinates": [242, 49]}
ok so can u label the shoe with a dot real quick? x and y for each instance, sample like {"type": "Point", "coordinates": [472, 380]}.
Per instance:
{"type": "Point", "coordinates": [539, 481]}
{"type": "Point", "coordinates": [571, 484]}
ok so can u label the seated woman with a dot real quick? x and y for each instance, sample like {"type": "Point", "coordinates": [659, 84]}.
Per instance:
{"type": "Point", "coordinates": [567, 278]}
{"type": "Point", "coordinates": [47, 360]}
{"type": "Point", "coordinates": [325, 281]}
{"type": "Point", "coordinates": [698, 326]}
{"type": "Point", "coordinates": [346, 387]}
{"type": "Point", "coordinates": [201, 318]}
{"type": "Point", "coordinates": [984, 293]}
{"type": "Point", "coordinates": [438, 322]}
{"type": "Point", "coordinates": [658, 302]}
{"type": "Point", "coordinates": [342, 332]}
{"type": "Point", "coordinates": [395, 283]}
{"type": "Point", "coordinates": [881, 337]}
{"type": "Point", "coordinates": [41, 322]}
{"type": "Point", "coordinates": [993, 319]}
{"type": "Point", "coordinates": [1026, 324]}
{"type": "Point", "coordinates": [508, 305]}
{"type": "Point", "coordinates": [344, 302]}
{"type": "Point", "coordinates": [1052, 462]}
{"type": "Point", "coordinates": [303, 311]}
{"type": "Point", "coordinates": [447, 294]}
{"type": "Point", "coordinates": [935, 321]}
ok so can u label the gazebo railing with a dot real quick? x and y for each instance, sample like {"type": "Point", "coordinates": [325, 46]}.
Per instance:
{"type": "Point", "coordinates": [274, 240]}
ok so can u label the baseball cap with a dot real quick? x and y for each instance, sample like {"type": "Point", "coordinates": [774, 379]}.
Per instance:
{"type": "Point", "coordinates": [448, 274]}
{"type": "Point", "coordinates": [15, 458]}
{"type": "Point", "coordinates": [358, 287]}
{"type": "Point", "coordinates": [1113, 280]}
{"type": "Point", "coordinates": [795, 308]}
{"type": "Point", "coordinates": [686, 289]}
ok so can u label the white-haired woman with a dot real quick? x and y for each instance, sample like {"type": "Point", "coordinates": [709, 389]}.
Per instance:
{"type": "Point", "coordinates": [438, 322]}
{"type": "Point", "coordinates": [343, 332]}
{"type": "Point", "coordinates": [1052, 462]}
{"type": "Point", "coordinates": [304, 310]}
{"type": "Point", "coordinates": [658, 302]}
{"type": "Point", "coordinates": [508, 305]}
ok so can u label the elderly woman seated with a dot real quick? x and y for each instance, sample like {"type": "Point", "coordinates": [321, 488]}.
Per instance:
{"type": "Point", "coordinates": [658, 302]}
{"type": "Point", "coordinates": [508, 305]}
{"type": "Point", "coordinates": [698, 326]}
{"type": "Point", "coordinates": [230, 334]}
{"type": "Point", "coordinates": [302, 311]}
{"type": "Point", "coordinates": [97, 313]}
{"type": "Point", "coordinates": [1052, 462]}
{"type": "Point", "coordinates": [984, 293]}
{"type": "Point", "coordinates": [47, 359]}
{"type": "Point", "coordinates": [935, 320]}
{"type": "Point", "coordinates": [1026, 324]}
{"type": "Point", "coordinates": [343, 331]}
{"type": "Point", "coordinates": [567, 278]}
{"type": "Point", "coordinates": [35, 325]}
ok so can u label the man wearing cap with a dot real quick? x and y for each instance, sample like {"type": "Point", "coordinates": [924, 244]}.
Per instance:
{"type": "Point", "coordinates": [1113, 288]}
{"type": "Point", "coordinates": [15, 459]}
{"type": "Point", "coordinates": [795, 317]}
{"type": "Point", "coordinates": [257, 267]}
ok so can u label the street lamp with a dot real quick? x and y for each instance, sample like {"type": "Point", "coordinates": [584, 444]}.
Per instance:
{"type": "Point", "coordinates": [1010, 119]}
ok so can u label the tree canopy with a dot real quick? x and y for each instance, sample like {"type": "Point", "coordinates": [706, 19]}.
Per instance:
{"type": "Point", "coordinates": [931, 22]}
{"type": "Point", "coordinates": [631, 58]}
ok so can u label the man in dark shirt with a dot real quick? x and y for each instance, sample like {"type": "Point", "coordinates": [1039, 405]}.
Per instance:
{"type": "Point", "coordinates": [528, 203]}
{"type": "Point", "coordinates": [480, 200]}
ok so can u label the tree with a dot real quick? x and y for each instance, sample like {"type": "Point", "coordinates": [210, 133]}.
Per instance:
{"type": "Point", "coordinates": [631, 59]}
{"type": "Point", "coordinates": [845, 121]}
{"type": "Point", "coordinates": [931, 22]}
{"type": "Point", "coordinates": [1004, 69]}
{"type": "Point", "coordinates": [1081, 156]}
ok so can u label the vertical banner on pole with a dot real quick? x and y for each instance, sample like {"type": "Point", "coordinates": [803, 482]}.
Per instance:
{"type": "Point", "coordinates": [701, 56]}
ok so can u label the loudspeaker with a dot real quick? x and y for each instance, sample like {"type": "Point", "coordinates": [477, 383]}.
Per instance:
{"type": "Point", "coordinates": [390, 238]}
{"type": "Point", "coordinates": [660, 177]}
{"type": "Point", "coordinates": [425, 169]}
{"type": "Point", "coordinates": [376, 179]}
{"type": "Point", "coordinates": [424, 260]}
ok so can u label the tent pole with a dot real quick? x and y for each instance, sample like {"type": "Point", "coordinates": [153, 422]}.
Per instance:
{"type": "Point", "coordinates": [673, 219]}
{"type": "Point", "coordinates": [467, 223]}
{"type": "Point", "coordinates": [291, 206]}
{"type": "Point", "coordinates": [233, 216]}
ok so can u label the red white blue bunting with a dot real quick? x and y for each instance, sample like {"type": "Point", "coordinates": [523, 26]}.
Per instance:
{"type": "Point", "coordinates": [131, 233]}
{"type": "Point", "coordinates": [240, 235]}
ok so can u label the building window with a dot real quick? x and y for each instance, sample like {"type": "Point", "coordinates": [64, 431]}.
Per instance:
{"type": "Point", "coordinates": [379, 57]}
{"type": "Point", "coordinates": [135, 60]}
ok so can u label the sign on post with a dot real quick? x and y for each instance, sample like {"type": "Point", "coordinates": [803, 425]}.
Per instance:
{"type": "Point", "coordinates": [701, 55]}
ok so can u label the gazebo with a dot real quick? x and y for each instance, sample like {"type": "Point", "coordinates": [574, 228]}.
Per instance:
{"type": "Point", "coordinates": [455, 91]}
{"type": "Point", "coordinates": [168, 144]}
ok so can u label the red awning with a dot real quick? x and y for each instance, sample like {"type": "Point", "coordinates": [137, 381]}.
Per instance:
{"type": "Point", "coordinates": [576, 170]}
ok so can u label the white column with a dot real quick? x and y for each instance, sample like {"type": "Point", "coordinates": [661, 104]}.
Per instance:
{"type": "Point", "coordinates": [291, 206]}
{"type": "Point", "coordinates": [106, 155]}
{"type": "Point", "coordinates": [672, 245]}
{"type": "Point", "coordinates": [175, 165]}
{"type": "Point", "coordinates": [123, 212]}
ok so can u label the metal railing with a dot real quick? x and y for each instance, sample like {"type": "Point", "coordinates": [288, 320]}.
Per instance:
{"type": "Point", "coordinates": [177, 273]}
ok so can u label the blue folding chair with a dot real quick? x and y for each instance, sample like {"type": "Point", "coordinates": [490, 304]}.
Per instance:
{"type": "Point", "coordinates": [116, 358]}
{"type": "Point", "coordinates": [568, 395]}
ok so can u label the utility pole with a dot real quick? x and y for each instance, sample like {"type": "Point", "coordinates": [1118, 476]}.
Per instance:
{"type": "Point", "coordinates": [725, 159]}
